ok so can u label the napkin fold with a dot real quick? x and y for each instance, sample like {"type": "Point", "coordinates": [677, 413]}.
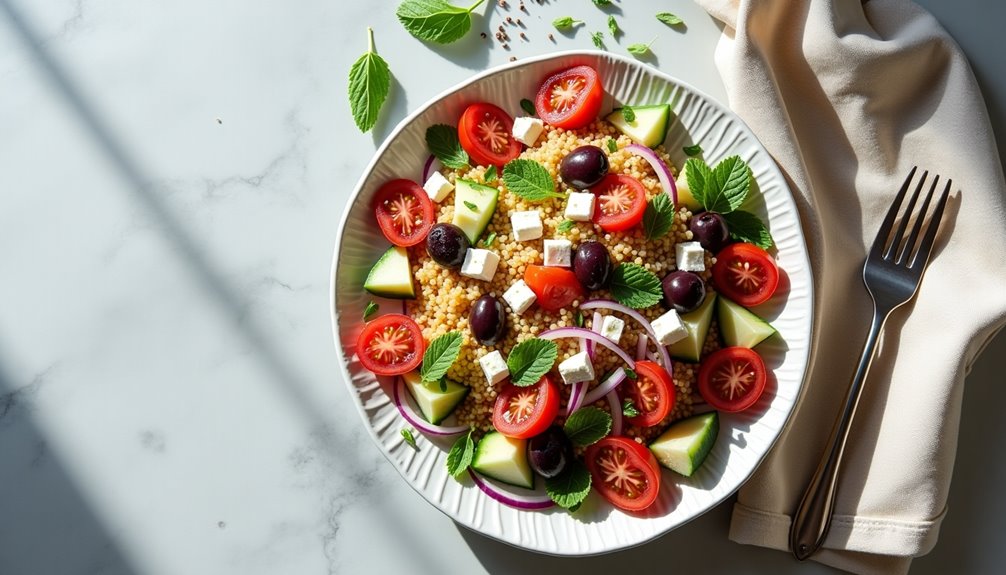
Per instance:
{"type": "Point", "coordinates": [847, 97]}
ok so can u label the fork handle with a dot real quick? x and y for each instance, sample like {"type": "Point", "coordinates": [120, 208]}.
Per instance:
{"type": "Point", "coordinates": [813, 517]}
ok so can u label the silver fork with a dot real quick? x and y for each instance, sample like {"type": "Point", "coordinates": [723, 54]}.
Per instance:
{"type": "Point", "coordinates": [892, 274]}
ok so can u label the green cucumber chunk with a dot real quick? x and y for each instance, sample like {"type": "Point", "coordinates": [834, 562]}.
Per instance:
{"type": "Point", "coordinates": [686, 443]}
{"type": "Point", "coordinates": [504, 459]}
{"type": "Point", "coordinates": [474, 205]}
{"type": "Point", "coordinates": [739, 326]}
{"type": "Point", "coordinates": [434, 401]}
{"type": "Point", "coordinates": [391, 276]}
{"type": "Point", "coordinates": [648, 128]}
{"type": "Point", "coordinates": [685, 197]}
{"type": "Point", "coordinates": [697, 322]}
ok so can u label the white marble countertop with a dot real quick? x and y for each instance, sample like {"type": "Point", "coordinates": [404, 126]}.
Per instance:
{"type": "Point", "coordinates": [171, 178]}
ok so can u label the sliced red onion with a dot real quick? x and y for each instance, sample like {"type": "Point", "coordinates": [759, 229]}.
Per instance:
{"type": "Point", "coordinates": [616, 413]}
{"type": "Point", "coordinates": [409, 413]}
{"type": "Point", "coordinates": [576, 397]}
{"type": "Point", "coordinates": [641, 346]}
{"type": "Point", "coordinates": [595, 326]}
{"type": "Point", "coordinates": [507, 497]}
{"type": "Point", "coordinates": [615, 306]}
{"type": "Point", "coordinates": [605, 386]}
{"type": "Point", "coordinates": [579, 332]}
{"type": "Point", "coordinates": [432, 165]}
{"type": "Point", "coordinates": [658, 165]}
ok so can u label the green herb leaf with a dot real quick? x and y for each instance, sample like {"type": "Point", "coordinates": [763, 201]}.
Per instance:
{"type": "Point", "coordinates": [409, 438]}
{"type": "Point", "coordinates": [531, 359]}
{"type": "Point", "coordinates": [529, 180]}
{"type": "Point", "coordinates": [613, 26]}
{"type": "Point", "coordinates": [442, 140]}
{"type": "Point", "coordinates": [629, 114]}
{"type": "Point", "coordinates": [697, 173]}
{"type": "Point", "coordinates": [565, 23]}
{"type": "Point", "coordinates": [369, 82]}
{"type": "Point", "coordinates": [370, 310]}
{"type": "Point", "coordinates": [435, 20]}
{"type": "Point", "coordinates": [564, 226]}
{"type": "Point", "coordinates": [461, 453]}
{"type": "Point", "coordinates": [640, 49]}
{"type": "Point", "coordinates": [747, 227]}
{"type": "Point", "coordinates": [628, 409]}
{"type": "Point", "coordinates": [693, 150]}
{"type": "Point", "coordinates": [658, 217]}
{"type": "Point", "coordinates": [471, 206]}
{"type": "Point", "coordinates": [612, 145]}
{"type": "Point", "coordinates": [729, 185]}
{"type": "Point", "coordinates": [669, 19]}
{"type": "Point", "coordinates": [528, 106]}
{"type": "Point", "coordinates": [602, 2]}
{"type": "Point", "coordinates": [488, 240]}
{"type": "Point", "coordinates": [631, 373]}
{"type": "Point", "coordinates": [490, 174]}
{"type": "Point", "coordinates": [443, 385]}
{"type": "Point", "coordinates": [587, 425]}
{"type": "Point", "coordinates": [578, 318]}
{"type": "Point", "coordinates": [569, 488]}
{"type": "Point", "coordinates": [598, 39]}
{"type": "Point", "coordinates": [634, 286]}
{"type": "Point", "coordinates": [440, 355]}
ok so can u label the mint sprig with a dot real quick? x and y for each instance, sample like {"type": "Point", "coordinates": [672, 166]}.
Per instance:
{"type": "Point", "coordinates": [669, 19]}
{"type": "Point", "coordinates": [461, 454]}
{"type": "Point", "coordinates": [530, 359]}
{"type": "Point", "coordinates": [587, 425]}
{"type": "Point", "coordinates": [730, 183]}
{"type": "Point", "coordinates": [435, 20]}
{"type": "Point", "coordinates": [440, 355]}
{"type": "Point", "coordinates": [442, 140]}
{"type": "Point", "coordinates": [723, 190]}
{"type": "Point", "coordinates": [529, 180]}
{"type": "Point", "coordinates": [369, 82]}
{"type": "Point", "coordinates": [569, 488]}
{"type": "Point", "coordinates": [635, 286]}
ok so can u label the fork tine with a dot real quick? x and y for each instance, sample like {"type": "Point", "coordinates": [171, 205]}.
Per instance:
{"type": "Point", "coordinates": [885, 229]}
{"type": "Point", "coordinates": [926, 247]}
{"type": "Point", "coordinates": [909, 248]}
{"type": "Point", "coordinates": [899, 235]}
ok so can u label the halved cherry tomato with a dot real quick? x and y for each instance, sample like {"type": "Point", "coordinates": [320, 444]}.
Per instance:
{"type": "Point", "coordinates": [620, 202]}
{"type": "Point", "coordinates": [392, 344]}
{"type": "Point", "coordinates": [624, 472]}
{"type": "Point", "coordinates": [555, 288]}
{"type": "Point", "coordinates": [732, 379]}
{"type": "Point", "coordinates": [746, 274]}
{"type": "Point", "coordinates": [652, 394]}
{"type": "Point", "coordinates": [570, 98]}
{"type": "Point", "coordinates": [486, 133]}
{"type": "Point", "coordinates": [404, 212]}
{"type": "Point", "coordinates": [523, 412]}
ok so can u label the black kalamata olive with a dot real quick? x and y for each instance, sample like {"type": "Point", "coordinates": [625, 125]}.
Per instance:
{"type": "Point", "coordinates": [584, 167]}
{"type": "Point", "coordinates": [549, 452]}
{"type": "Point", "coordinates": [710, 230]}
{"type": "Point", "coordinates": [487, 320]}
{"type": "Point", "coordinates": [684, 291]}
{"type": "Point", "coordinates": [592, 265]}
{"type": "Point", "coordinates": [447, 244]}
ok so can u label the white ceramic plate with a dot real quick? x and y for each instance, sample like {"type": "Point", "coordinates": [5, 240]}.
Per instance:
{"type": "Point", "coordinates": [744, 438]}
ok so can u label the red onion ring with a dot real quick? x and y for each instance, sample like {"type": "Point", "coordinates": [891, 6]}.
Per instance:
{"type": "Point", "coordinates": [579, 332]}
{"type": "Point", "coordinates": [641, 346]}
{"type": "Point", "coordinates": [417, 421]}
{"type": "Point", "coordinates": [606, 386]}
{"type": "Point", "coordinates": [510, 498]}
{"type": "Point", "coordinates": [616, 413]}
{"type": "Point", "coordinates": [658, 165]}
{"type": "Point", "coordinates": [432, 164]}
{"type": "Point", "coordinates": [576, 397]}
{"type": "Point", "coordinates": [615, 306]}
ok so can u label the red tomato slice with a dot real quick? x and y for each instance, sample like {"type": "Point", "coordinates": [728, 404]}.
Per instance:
{"type": "Point", "coordinates": [486, 133]}
{"type": "Point", "coordinates": [392, 344]}
{"type": "Point", "coordinates": [404, 212]}
{"type": "Point", "coordinates": [523, 412]}
{"type": "Point", "coordinates": [652, 394]}
{"type": "Point", "coordinates": [746, 274]}
{"type": "Point", "coordinates": [555, 288]}
{"type": "Point", "coordinates": [624, 472]}
{"type": "Point", "coordinates": [570, 98]}
{"type": "Point", "coordinates": [732, 379]}
{"type": "Point", "coordinates": [620, 202]}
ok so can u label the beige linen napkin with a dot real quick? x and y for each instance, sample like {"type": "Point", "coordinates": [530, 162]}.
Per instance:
{"type": "Point", "coordinates": [847, 98]}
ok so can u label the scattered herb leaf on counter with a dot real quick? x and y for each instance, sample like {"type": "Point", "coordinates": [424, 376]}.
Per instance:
{"type": "Point", "coordinates": [370, 310]}
{"type": "Point", "coordinates": [747, 227]}
{"type": "Point", "coordinates": [569, 488]}
{"type": "Point", "coordinates": [440, 355]}
{"type": "Point", "coordinates": [598, 39]}
{"type": "Point", "coordinates": [635, 286]}
{"type": "Point", "coordinates": [658, 217]}
{"type": "Point", "coordinates": [693, 150]}
{"type": "Point", "coordinates": [529, 180]}
{"type": "Point", "coordinates": [669, 19]}
{"type": "Point", "coordinates": [409, 438]}
{"type": "Point", "coordinates": [640, 49]}
{"type": "Point", "coordinates": [587, 425]}
{"type": "Point", "coordinates": [564, 226]}
{"type": "Point", "coordinates": [442, 140]}
{"type": "Point", "coordinates": [629, 409]}
{"type": "Point", "coordinates": [461, 454]}
{"type": "Point", "coordinates": [613, 26]}
{"type": "Point", "coordinates": [436, 20]}
{"type": "Point", "coordinates": [528, 106]}
{"type": "Point", "coordinates": [602, 2]}
{"type": "Point", "coordinates": [369, 81]}
{"type": "Point", "coordinates": [565, 23]}
{"type": "Point", "coordinates": [530, 359]}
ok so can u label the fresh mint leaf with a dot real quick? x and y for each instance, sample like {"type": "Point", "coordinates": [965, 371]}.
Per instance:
{"type": "Point", "coordinates": [612, 145]}
{"type": "Point", "coordinates": [598, 39]}
{"type": "Point", "coordinates": [436, 20]}
{"type": "Point", "coordinates": [747, 227]}
{"type": "Point", "coordinates": [578, 319]}
{"type": "Point", "coordinates": [370, 310]}
{"type": "Point", "coordinates": [369, 82]}
{"type": "Point", "coordinates": [629, 409]}
{"type": "Point", "coordinates": [602, 2]}
{"type": "Point", "coordinates": [529, 180]}
{"type": "Point", "coordinates": [658, 217]}
{"type": "Point", "coordinates": [409, 438]}
{"type": "Point", "coordinates": [565, 23]}
{"type": "Point", "coordinates": [640, 49]}
{"type": "Point", "coordinates": [440, 355]}
{"type": "Point", "coordinates": [569, 488]}
{"type": "Point", "coordinates": [564, 226]}
{"type": "Point", "coordinates": [635, 286]}
{"type": "Point", "coordinates": [729, 185]}
{"type": "Point", "coordinates": [693, 150]}
{"type": "Point", "coordinates": [587, 425]}
{"type": "Point", "coordinates": [442, 140]}
{"type": "Point", "coordinates": [471, 206]}
{"type": "Point", "coordinates": [490, 174]}
{"type": "Point", "coordinates": [631, 373]}
{"type": "Point", "coordinates": [461, 454]}
{"type": "Point", "coordinates": [613, 26]}
{"type": "Point", "coordinates": [669, 19]}
{"type": "Point", "coordinates": [531, 359]}
{"type": "Point", "coordinates": [528, 107]}
{"type": "Point", "coordinates": [488, 240]}
{"type": "Point", "coordinates": [697, 173]}
{"type": "Point", "coordinates": [629, 114]}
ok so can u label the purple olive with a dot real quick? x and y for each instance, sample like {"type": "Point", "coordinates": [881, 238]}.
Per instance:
{"type": "Point", "coordinates": [447, 244]}
{"type": "Point", "coordinates": [592, 265]}
{"type": "Point", "coordinates": [710, 230]}
{"type": "Point", "coordinates": [549, 452]}
{"type": "Point", "coordinates": [584, 167]}
{"type": "Point", "coordinates": [684, 291]}
{"type": "Point", "coordinates": [487, 320]}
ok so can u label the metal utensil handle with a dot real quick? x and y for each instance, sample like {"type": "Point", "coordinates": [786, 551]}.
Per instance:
{"type": "Point", "coordinates": [813, 517]}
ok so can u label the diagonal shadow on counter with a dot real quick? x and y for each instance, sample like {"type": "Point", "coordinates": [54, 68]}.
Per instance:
{"type": "Point", "coordinates": [55, 504]}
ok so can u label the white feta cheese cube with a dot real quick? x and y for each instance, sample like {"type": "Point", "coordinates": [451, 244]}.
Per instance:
{"type": "Point", "coordinates": [526, 225]}
{"type": "Point", "coordinates": [669, 328]}
{"type": "Point", "coordinates": [558, 253]}
{"type": "Point", "coordinates": [526, 130]}
{"type": "Point", "coordinates": [691, 257]}
{"type": "Point", "coordinates": [437, 187]}
{"type": "Point", "coordinates": [494, 366]}
{"type": "Point", "coordinates": [580, 206]}
{"type": "Point", "coordinates": [611, 328]}
{"type": "Point", "coordinates": [480, 264]}
{"type": "Point", "coordinates": [519, 297]}
{"type": "Point", "coordinates": [576, 369]}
